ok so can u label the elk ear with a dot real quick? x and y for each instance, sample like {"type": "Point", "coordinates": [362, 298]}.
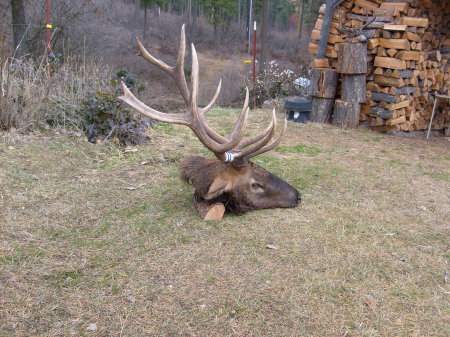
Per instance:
{"type": "Point", "coordinates": [219, 186]}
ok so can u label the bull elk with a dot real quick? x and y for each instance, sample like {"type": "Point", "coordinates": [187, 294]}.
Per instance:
{"type": "Point", "coordinates": [231, 178]}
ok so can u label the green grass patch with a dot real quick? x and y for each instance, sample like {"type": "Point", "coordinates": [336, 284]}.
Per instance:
{"type": "Point", "coordinates": [311, 151]}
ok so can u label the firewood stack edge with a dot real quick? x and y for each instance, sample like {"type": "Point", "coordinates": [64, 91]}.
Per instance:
{"type": "Point", "coordinates": [385, 60]}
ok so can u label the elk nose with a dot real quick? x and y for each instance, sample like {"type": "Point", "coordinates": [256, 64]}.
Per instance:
{"type": "Point", "coordinates": [299, 197]}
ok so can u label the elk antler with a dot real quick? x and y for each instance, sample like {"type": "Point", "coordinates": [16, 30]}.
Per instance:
{"type": "Point", "coordinates": [232, 148]}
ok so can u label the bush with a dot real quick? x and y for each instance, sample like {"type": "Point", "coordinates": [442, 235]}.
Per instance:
{"type": "Point", "coordinates": [47, 92]}
{"type": "Point", "coordinates": [274, 83]}
{"type": "Point", "coordinates": [104, 118]}
{"type": "Point", "coordinates": [130, 80]}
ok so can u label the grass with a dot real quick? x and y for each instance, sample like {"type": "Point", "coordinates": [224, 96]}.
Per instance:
{"type": "Point", "coordinates": [365, 254]}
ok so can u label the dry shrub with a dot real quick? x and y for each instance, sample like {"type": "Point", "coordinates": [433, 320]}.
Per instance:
{"type": "Point", "coordinates": [38, 92]}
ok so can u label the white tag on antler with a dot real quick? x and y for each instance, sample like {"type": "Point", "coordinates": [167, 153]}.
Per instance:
{"type": "Point", "coordinates": [229, 156]}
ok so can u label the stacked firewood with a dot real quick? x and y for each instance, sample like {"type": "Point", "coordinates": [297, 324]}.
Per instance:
{"type": "Point", "coordinates": [408, 56]}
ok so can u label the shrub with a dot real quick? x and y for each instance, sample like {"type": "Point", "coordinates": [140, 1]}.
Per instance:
{"type": "Point", "coordinates": [48, 92]}
{"type": "Point", "coordinates": [104, 117]}
{"type": "Point", "coordinates": [130, 80]}
{"type": "Point", "coordinates": [274, 83]}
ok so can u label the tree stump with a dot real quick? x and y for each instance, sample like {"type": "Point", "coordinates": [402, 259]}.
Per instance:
{"type": "Point", "coordinates": [346, 114]}
{"type": "Point", "coordinates": [321, 109]}
{"type": "Point", "coordinates": [323, 83]}
{"type": "Point", "coordinates": [352, 58]}
{"type": "Point", "coordinates": [354, 88]}
{"type": "Point", "coordinates": [209, 211]}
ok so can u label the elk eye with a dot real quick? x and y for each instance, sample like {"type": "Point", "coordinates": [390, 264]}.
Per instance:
{"type": "Point", "coordinates": [257, 186]}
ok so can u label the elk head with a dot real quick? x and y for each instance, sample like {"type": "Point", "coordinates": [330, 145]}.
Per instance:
{"type": "Point", "coordinates": [231, 178]}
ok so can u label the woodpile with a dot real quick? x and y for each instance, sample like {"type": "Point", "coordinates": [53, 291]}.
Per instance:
{"type": "Point", "coordinates": [406, 44]}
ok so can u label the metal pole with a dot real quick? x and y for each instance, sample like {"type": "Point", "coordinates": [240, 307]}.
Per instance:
{"type": "Point", "coordinates": [254, 52]}
{"type": "Point", "coordinates": [48, 25]}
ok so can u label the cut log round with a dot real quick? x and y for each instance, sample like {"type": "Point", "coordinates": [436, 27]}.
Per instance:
{"type": "Point", "coordinates": [346, 114]}
{"type": "Point", "coordinates": [323, 83]}
{"type": "Point", "coordinates": [352, 58]}
{"type": "Point", "coordinates": [354, 88]}
{"type": "Point", "coordinates": [321, 109]}
{"type": "Point", "coordinates": [209, 211]}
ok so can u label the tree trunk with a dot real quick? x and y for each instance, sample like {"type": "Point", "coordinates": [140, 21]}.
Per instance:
{"type": "Point", "coordinates": [248, 28]}
{"type": "Point", "coordinates": [300, 18]}
{"type": "Point", "coordinates": [264, 28]}
{"type": "Point", "coordinates": [136, 15]}
{"type": "Point", "coordinates": [145, 23]}
{"type": "Point", "coordinates": [19, 27]}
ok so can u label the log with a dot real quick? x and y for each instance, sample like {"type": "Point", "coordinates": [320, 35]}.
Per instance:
{"type": "Point", "coordinates": [320, 63]}
{"type": "Point", "coordinates": [379, 96]}
{"type": "Point", "coordinates": [323, 83]}
{"type": "Point", "coordinates": [411, 21]}
{"type": "Point", "coordinates": [354, 88]}
{"type": "Point", "coordinates": [389, 62]}
{"type": "Point", "coordinates": [209, 211]}
{"type": "Point", "coordinates": [352, 58]}
{"type": "Point", "coordinates": [407, 73]}
{"type": "Point", "coordinates": [389, 81]}
{"type": "Point", "coordinates": [346, 114]}
{"type": "Point", "coordinates": [407, 90]}
{"type": "Point", "coordinates": [382, 113]}
{"type": "Point", "coordinates": [321, 109]}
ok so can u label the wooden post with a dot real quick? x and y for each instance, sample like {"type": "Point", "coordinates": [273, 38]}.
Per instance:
{"type": "Point", "coordinates": [321, 49]}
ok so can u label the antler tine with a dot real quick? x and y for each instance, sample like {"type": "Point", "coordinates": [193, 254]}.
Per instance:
{"type": "Point", "coordinates": [131, 100]}
{"type": "Point", "coordinates": [257, 138]}
{"type": "Point", "coordinates": [264, 140]}
{"type": "Point", "coordinates": [176, 72]}
{"type": "Point", "coordinates": [270, 146]}
{"type": "Point", "coordinates": [224, 144]}
{"type": "Point", "coordinates": [213, 134]}
{"type": "Point", "coordinates": [245, 107]}
{"type": "Point", "coordinates": [204, 110]}
{"type": "Point", "coordinates": [179, 76]}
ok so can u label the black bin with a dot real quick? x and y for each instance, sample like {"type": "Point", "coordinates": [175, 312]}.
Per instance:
{"type": "Point", "coordinates": [298, 109]}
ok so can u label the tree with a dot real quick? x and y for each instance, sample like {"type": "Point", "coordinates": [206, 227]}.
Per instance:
{"type": "Point", "coordinates": [147, 4]}
{"type": "Point", "coordinates": [221, 13]}
{"type": "Point", "coordinates": [264, 28]}
{"type": "Point", "coordinates": [19, 27]}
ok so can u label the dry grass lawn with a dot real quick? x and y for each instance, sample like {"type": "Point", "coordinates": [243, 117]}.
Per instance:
{"type": "Point", "coordinates": [96, 240]}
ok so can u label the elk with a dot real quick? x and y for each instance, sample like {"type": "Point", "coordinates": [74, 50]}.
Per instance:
{"type": "Point", "coordinates": [230, 178]}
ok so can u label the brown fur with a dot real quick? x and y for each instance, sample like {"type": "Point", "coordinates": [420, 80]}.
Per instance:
{"type": "Point", "coordinates": [237, 191]}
